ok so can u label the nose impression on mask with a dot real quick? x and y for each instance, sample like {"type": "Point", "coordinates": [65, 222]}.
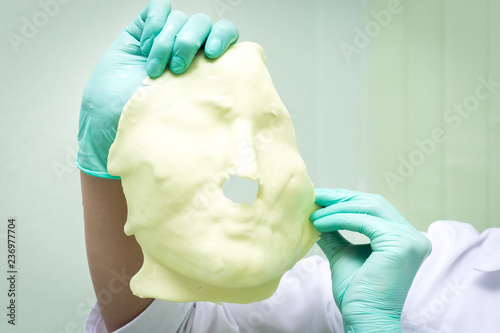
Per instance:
{"type": "Point", "coordinates": [240, 190]}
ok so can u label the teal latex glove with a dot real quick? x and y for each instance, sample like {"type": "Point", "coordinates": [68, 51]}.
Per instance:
{"type": "Point", "coordinates": [369, 282]}
{"type": "Point", "coordinates": [157, 38]}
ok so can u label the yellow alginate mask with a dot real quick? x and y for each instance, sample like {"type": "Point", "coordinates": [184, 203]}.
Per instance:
{"type": "Point", "coordinates": [179, 139]}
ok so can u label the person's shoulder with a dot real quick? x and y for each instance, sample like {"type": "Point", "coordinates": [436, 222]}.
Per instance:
{"type": "Point", "coordinates": [453, 228]}
{"type": "Point", "coordinates": [457, 244]}
{"type": "Point", "coordinates": [458, 235]}
{"type": "Point", "coordinates": [452, 280]}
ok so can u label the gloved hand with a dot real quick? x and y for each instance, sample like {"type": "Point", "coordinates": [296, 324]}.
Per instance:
{"type": "Point", "coordinates": [369, 282]}
{"type": "Point", "coordinates": [144, 48]}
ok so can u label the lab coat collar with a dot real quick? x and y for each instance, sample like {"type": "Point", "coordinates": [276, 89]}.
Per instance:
{"type": "Point", "coordinates": [490, 251]}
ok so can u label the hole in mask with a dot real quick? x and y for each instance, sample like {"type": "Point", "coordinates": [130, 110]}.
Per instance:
{"type": "Point", "coordinates": [240, 190]}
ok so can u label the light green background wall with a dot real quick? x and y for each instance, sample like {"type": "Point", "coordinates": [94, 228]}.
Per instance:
{"type": "Point", "coordinates": [427, 64]}
{"type": "Point", "coordinates": [353, 117]}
